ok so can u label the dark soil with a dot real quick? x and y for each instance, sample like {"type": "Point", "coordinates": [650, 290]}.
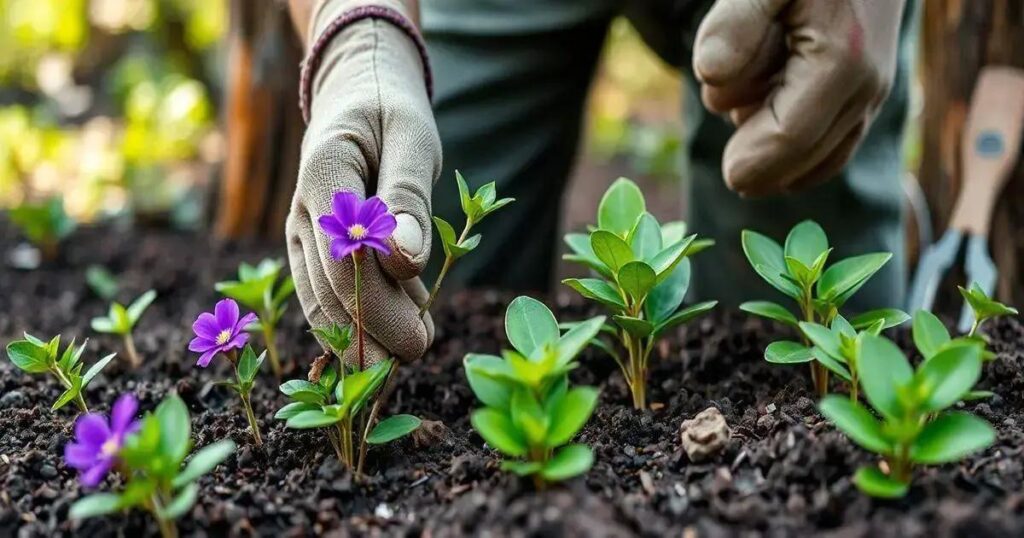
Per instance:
{"type": "Point", "coordinates": [785, 472]}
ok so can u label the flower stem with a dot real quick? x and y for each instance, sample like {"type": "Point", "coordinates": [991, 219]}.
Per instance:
{"type": "Point", "coordinates": [359, 311]}
{"type": "Point", "coordinates": [254, 426]}
{"type": "Point", "coordinates": [130, 351]}
{"type": "Point", "coordinates": [167, 527]}
{"type": "Point", "coordinates": [270, 339]}
{"type": "Point", "coordinates": [448, 262]}
{"type": "Point", "coordinates": [374, 411]}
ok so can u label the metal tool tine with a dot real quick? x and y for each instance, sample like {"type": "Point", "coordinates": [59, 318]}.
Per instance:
{"type": "Point", "coordinates": [935, 261]}
{"type": "Point", "coordinates": [981, 270]}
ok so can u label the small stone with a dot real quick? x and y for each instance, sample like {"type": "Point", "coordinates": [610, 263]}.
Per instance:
{"type": "Point", "coordinates": [704, 435]}
{"type": "Point", "coordinates": [383, 511]}
{"type": "Point", "coordinates": [12, 399]}
{"type": "Point", "coordinates": [431, 433]}
{"type": "Point", "coordinates": [48, 471]}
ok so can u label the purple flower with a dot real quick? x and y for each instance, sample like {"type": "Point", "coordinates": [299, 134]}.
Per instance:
{"type": "Point", "coordinates": [99, 443]}
{"type": "Point", "coordinates": [220, 332]}
{"type": "Point", "coordinates": [355, 224]}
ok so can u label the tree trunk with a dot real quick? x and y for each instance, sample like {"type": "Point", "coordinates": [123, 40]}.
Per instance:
{"type": "Point", "coordinates": [959, 37]}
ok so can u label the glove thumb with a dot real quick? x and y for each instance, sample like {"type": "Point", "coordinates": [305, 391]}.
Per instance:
{"type": "Point", "coordinates": [731, 37]}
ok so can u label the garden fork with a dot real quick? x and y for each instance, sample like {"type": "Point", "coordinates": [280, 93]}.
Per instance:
{"type": "Point", "coordinates": [991, 144]}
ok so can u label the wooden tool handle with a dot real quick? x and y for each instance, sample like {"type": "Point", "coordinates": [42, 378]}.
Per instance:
{"type": "Point", "coordinates": [990, 146]}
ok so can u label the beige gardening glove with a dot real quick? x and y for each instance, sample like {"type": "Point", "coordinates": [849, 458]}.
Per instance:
{"type": "Point", "coordinates": [371, 131]}
{"type": "Point", "coordinates": [801, 79]}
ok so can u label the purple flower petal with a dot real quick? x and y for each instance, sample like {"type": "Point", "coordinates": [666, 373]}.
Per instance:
{"type": "Point", "coordinates": [343, 246]}
{"type": "Point", "coordinates": [237, 342]}
{"type": "Point", "coordinates": [332, 226]}
{"type": "Point", "coordinates": [79, 456]}
{"type": "Point", "coordinates": [205, 358]}
{"type": "Point", "coordinates": [345, 206]}
{"type": "Point", "coordinates": [377, 245]}
{"type": "Point", "coordinates": [246, 320]}
{"type": "Point", "coordinates": [95, 474]}
{"type": "Point", "coordinates": [206, 326]}
{"type": "Point", "coordinates": [382, 226]}
{"type": "Point", "coordinates": [372, 208]}
{"type": "Point", "coordinates": [91, 430]}
{"type": "Point", "coordinates": [201, 344]}
{"type": "Point", "coordinates": [123, 413]}
{"type": "Point", "coordinates": [226, 311]}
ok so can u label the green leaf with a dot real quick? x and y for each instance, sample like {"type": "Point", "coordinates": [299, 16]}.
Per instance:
{"type": "Point", "coordinates": [358, 387]}
{"type": "Point", "coordinates": [883, 369]}
{"type": "Point", "coordinates": [944, 379]}
{"type": "Point", "coordinates": [570, 414]}
{"type": "Point", "coordinates": [930, 335]}
{"type": "Point", "coordinates": [140, 305]}
{"type": "Point", "coordinates": [71, 356]}
{"type": "Point", "coordinates": [598, 290]}
{"type": "Point", "coordinates": [856, 422]}
{"type": "Point", "coordinates": [873, 482]}
{"type": "Point", "coordinates": [573, 460]}
{"type": "Point", "coordinates": [450, 241]}
{"type": "Point", "coordinates": [620, 207]}
{"type": "Point", "coordinates": [950, 437]}
{"type": "Point", "coordinates": [973, 395]}
{"type": "Point", "coordinates": [119, 318]}
{"type": "Point", "coordinates": [823, 338]}
{"type": "Point", "coordinates": [684, 315]}
{"type": "Point", "coordinates": [787, 352]}
{"type": "Point", "coordinates": [311, 419]}
{"type": "Point", "coordinates": [645, 239]}
{"type": "Point", "coordinates": [96, 368]}
{"type": "Point", "coordinates": [767, 259]}
{"type": "Point", "coordinates": [204, 461]}
{"type": "Point", "coordinates": [249, 365]}
{"type": "Point", "coordinates": [97, 504]}
{"type": "Point", "coordinates": [74, 390]}
{"type": "Point", "coordinates": [28, 356]}
{"type": "Point", "coordinates": [844, 277]}
{"type": "Point", "coordinates": [336, 337]}
{"type": "Point", "coordinates": [770, 310]}
{"type": "Point", "coordinates": [528, 417]}
{"type": "Point", "coordinates": [831, 363]}
{"type": "Point", "coordinates": [638, 328]}
{"type": "Point", "coordinates": [583, 253]}
{"type": "Point", "coordinates": [611, 249]}
{"type": "Point", "coordinates": [671, 256]}
{"type": "Point", "coordinates": [175, 427]}
{"type": "Point", "coordinates": [103, 325]}
{"type": "Point", "coordinates": [673, 232]}
{"type": "Point", "coordinates": [301, 390]}
{"type": "Point", "coordinates": [529, 325]}
{"type": "Point", "coordinates": [576, 338]}
{"type": "Point", "coordinates": [294, 408]}
{"type": "Point", "coordinates": [806, 242]}
{"type": "Point", "coordinates": [393, 428]}
{"type": "Point", "coordinates": [465, 199]}
{"type": "Point", "coordinates": [668, 295]}
{"type": "Point", "coordinates": [636, 279]}
{"type": "Point", "coordinates": [486, 375]}
{"type": "Point", "coordinates": [983, 306]}
{"type": "Point", "coordinates": [285, 290]}
{"type": "Point", "coordinates": [890, 317]}
{"type": "Point", "coordinates": [497, 430]}
{"type": "Point", "coordinates": [101, 282]}
{"type": "Point", "coordinates": [521, 468]}
{"type": "Point", "coordinates": [180, 504]}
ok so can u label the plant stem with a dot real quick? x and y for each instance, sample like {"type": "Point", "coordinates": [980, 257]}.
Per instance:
{"type": "Point", "coordinates": [854, 386]}
{"type": "Point", "coordinates": [79, 401]}
{"type": "Point", "coordinates": [359, 311]}
{"type": "Point", "coordinates": [819, 374]}
{"type": "Point", "coordinates": [270, 339]}
{"type": "Point", "coordinates": [448, 262]}
{"type": "Point", "coordinates": [974, 328]}
{"type": "Point", "coordinates": [167, 527]}
{"type": "Point", "coordinates": [130, 351]}
{"type": "Point", "coordinates": [374, 411]}
{"type": "Point", "coordinates": [254, 427]}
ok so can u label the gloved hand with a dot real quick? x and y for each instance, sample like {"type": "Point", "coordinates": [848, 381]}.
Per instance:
{"type": "Point", "coordinates": [371, 131]}
{"type": "Point", "coordinates": [802, 79]}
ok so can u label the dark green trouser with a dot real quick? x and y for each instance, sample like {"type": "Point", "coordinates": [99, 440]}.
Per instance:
{"type": "Point", "coordinates": [511, 78]}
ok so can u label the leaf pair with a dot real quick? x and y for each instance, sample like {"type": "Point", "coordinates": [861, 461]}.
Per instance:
{"type": "Point", "coordinates": [121, 320]}
{"type": "Point", "coordinates": [336, 337]}
{"type": "Point", "coordinates": [983, 307]}
{"type": "Point", "coordinates": [257, 288]}
{"type": "Point", "coordinates": [154, 456]}
{"type": "Point", "coordinates": [915, 427]}
{"type": "Point", "coordinates": [475, 207]}
{"type": "Point", "coordinates": [35, 356]}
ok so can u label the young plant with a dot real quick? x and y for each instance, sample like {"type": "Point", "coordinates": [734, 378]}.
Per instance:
{"type": "Point", "coordinates": [336, 399]}
{"type": "Point", "coordinates": [121, 321]}
{"type": "Point", "coordinates": [148, 454]}
{"type": "Point", "coordinates": [642, 275]}
{"type": "Point", "coordinates": [484, 202]}
{"type": "Point", "coordinates": [45, 224]}
{"type": "Point", "coordinates": [983, 308]}
{"type": "Point", "coordinates": [915, 426]}
{"type": "Point", "coordinates": [222, 332]}
{"type": "Point", "coordinates": [836, 348]}
{"type": "Point", "coordinates": [35, 356]}
{"type": "Point", "coordinates": [798, 271]}
{"type": "Point", "coordinates": [931, 338]}
{"type": "Point", "coordinates": [257, 288]}
{"type": "Point", "coordinates": [530, 412]}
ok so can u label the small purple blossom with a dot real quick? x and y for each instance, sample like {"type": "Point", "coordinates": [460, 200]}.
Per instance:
{"type": "Point", "coordinates": [98, 442]}
{"type": "Point", "coordinates": [355, 224]}
{"type": "Point", "coordinates": [220, 332]}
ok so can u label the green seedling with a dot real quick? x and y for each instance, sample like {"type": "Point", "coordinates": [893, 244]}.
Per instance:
{"type": "Point", "coordinates": [836, 348]}
{"type": "Point", "coordinates": [530, 412]}
{"type": "Point", "coordinates": [258, 289]}
{"type": "Point", "coordinates": [915, 427]}
{"type": "Point", "coordinates": [798, 271]}
{"type": "Point", "coordinates": [983, 308]}
{"type": "Point", "coordinates": [102, 282]}
{"type": "Point", "coordinates": [45, 224]}
{"type": "Point", "coordinates": [121, 321]}
{"type": "Point", "coordinates": [641, 275]}
{"type": "Point", "coordinates": [35, 356]}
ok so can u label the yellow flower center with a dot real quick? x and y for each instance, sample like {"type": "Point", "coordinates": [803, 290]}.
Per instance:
{"type": "Point", "coordinates": [110, 447]}
{"type": "Point", "coordinates": [357, 231]}
{"type": "Point", "coordinates": [223, 337]}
